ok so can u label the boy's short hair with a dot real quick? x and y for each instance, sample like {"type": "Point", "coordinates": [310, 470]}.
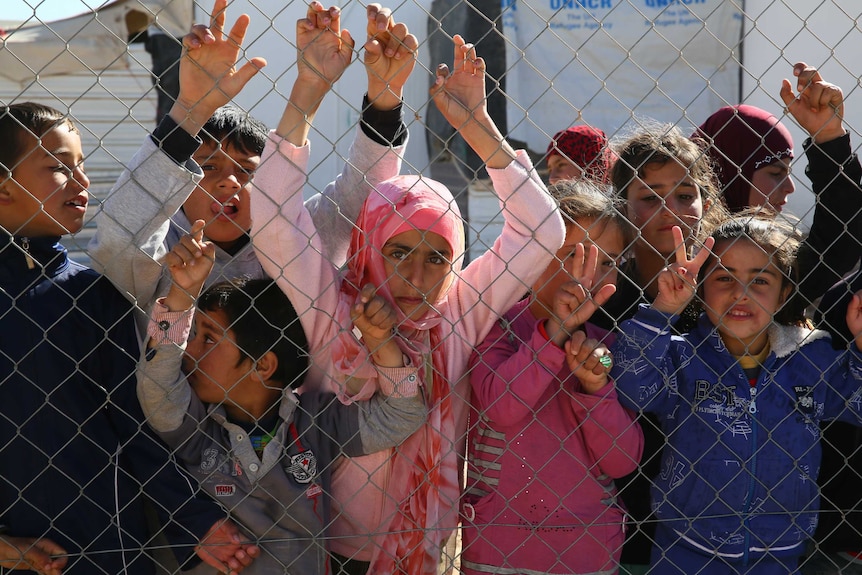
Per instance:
{"type": "Point", "coordinates": [25, 119]}
{"type": "Point", "coordinates": [231, 125]}
{"type": "Point", "coordinates": [262, 319]}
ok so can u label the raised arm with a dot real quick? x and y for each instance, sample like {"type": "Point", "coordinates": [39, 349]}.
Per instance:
{"type": "Point", "coordinates": [533, 230]}
{"type": "Point", "coordinates": [135, 218]}
{"type": "Point", "coordinates": [833, 245]}
{"type": "Point", "coordinates": [380, 141]}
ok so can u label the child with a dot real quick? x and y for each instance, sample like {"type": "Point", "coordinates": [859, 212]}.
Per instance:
{"type": "Point", "coordinates": [665, 180]}
{"type": "Point", "coordinates": [75, 461]}
{"type": "Point", "coordinates": [740, 400]}
{"type": "Point", "coordinates": [398, 508]}
{"type": "Point", "coordinates": [177, 178]}
{"type": "Point", "coordinates": [537, 400]}
{"type": "Point", "coordinates": [228, 409]}
{"type": "Point", "coordinates": [579, 152]}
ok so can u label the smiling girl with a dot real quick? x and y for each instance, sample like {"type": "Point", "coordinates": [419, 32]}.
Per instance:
{"type": "Point", "coordinates": [740, 399]}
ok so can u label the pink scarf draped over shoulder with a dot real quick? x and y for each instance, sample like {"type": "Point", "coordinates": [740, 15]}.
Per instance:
{"type": "Point", "coordinates": [426, 478]}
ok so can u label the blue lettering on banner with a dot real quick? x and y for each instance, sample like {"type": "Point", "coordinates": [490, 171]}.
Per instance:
{"type": "Point", "coordinates": [664, 3]}
{"type": "Point", "coordinates": [573, 4]}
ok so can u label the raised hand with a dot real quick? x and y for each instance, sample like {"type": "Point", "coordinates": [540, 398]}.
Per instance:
{"type": "Point", "coordinates": [589, 360]}
{"type": "Point", "coordinates": [190, 262]}
{"type": "Point", "coordinates": [818, 106]}
{"type": "Point", "coordinates": [854, 318]}
{"type": "Point", "coordinates": [460, 97]}
{"type": "Point", "coordinates": [223, 549]}
{"type": "Point", "coordinates": [575, 302]}
{"type": "Point", "coordinates": [31, 554]}
{"type": "Point", "coordinates": [375, 317]}
{"type": "Point", "coordinates": [390, 54]}
{"type": "Point", "coordinates": [678, 281]}
{"type": "Point", "coordinates": [209, 78]}
{"type": "Point", "coordinates": [324, 50]}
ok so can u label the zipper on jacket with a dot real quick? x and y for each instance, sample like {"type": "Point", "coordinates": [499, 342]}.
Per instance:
{"type": "Point", "coordinates": [25, 245]}
{"type": "Point", "coordinates": [752, 410]}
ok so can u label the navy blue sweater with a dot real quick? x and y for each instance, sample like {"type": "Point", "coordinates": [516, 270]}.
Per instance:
{"type": "Point", "coordinates": [75, 455]}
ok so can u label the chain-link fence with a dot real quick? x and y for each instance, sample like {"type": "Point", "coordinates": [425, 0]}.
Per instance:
{"type": "Point", "coordinates": [472, 397]}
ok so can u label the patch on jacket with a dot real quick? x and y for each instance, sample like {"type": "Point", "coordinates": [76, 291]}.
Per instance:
{"type": "Point", "coordinates": [303, 466]}
{"type": "Point", "coordinates": [224, 490]}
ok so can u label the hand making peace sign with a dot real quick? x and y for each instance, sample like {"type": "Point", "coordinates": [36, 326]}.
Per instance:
{"type": "Point", "coordinates": [678, 281]}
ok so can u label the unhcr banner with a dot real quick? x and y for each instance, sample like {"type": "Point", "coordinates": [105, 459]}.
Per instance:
{"type": "Point", "coordinates": [610, 63]}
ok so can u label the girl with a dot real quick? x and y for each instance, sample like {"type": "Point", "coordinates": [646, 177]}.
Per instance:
{"type": "Point", "coordinates": [665, 180]}
{"type": "Point", "coordinates": [223, 401]}
{"type": "Point", "coordinates": [579, 152]}
{"type": "Point", "coordinates": [740, 399]}
{"type": "Point", "coordinates": [397, 509]}
{"type": "Point", "coordinates": [539, 398]}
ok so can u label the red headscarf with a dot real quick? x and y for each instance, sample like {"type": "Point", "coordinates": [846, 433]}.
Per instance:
{"type": "Point", "coordinates": [424, 478]}
{"type": "Point", "coordinates": [742, 139]}
{"type": "Point", "coordinates": [587, 147]}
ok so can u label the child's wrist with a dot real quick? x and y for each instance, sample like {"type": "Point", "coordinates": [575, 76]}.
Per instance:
{"type": "Point", "coordinates": [169, 326]}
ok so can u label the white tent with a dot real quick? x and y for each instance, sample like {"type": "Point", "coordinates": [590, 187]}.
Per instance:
{"type": "Point", "coordinates": [88, 42]}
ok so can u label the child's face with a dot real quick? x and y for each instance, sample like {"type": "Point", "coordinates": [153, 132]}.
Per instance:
{"type": "Point", "coordinates": [741, 294]}
{"type": "Point", "coordinates": [771, 185]}
{"type": "Point", "coordinates": [417, 264]}
{"type": "Point", "coordinates": [218, 372]}
{"type": "Point", "coordinates": [664, 197]}
{"type": "Point", "coordinates": [47, 193]}
{"type": "Point", "coordinates": [561, 168]}
{"type": "Point", "coordinates": [222, 198]}
{"type": "Point", "coordinates": [607, 237]}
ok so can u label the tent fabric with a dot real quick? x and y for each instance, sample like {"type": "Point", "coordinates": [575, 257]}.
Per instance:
{"type": "Point", "coordinates": [94, 41]}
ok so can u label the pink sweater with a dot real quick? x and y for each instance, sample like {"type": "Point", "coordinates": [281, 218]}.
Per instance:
{"type": "Point", "coordinates": [289, 249]}
{"type": "Point", "coordinates": [543, 456]}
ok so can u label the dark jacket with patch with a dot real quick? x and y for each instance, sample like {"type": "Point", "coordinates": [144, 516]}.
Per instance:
{"type": "Point", "coordinates": [74, 457]}
{"type": "Point", "coordinates": [739, 470]}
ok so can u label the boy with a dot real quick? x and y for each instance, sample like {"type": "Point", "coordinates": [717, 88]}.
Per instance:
{"type": "Point", "coordinates": [74, 460]}
{"type": "Point", "coordinates": [166, 186]}
{"type": "Point", "coordinates": [224, 400]}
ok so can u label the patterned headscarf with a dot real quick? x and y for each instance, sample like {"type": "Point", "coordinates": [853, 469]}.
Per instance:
{"type": "Point", "coordinates": [425, 478]}
{"type": "Point", "coordinates": [741, 140]}
{"type": "Point", "coordinates": [588, 148]}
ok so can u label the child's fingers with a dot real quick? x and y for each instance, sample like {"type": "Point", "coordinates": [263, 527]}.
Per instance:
{"type": "Point", "coordinates": [366, 293]}
{"type": "Point", "coordinates": [577, 270]}
{"type": "Point", "coordinates": [218, 17]}
{"type": "Point", "coordinates": [407, 47]}
{"type": "Point", "coordinates": [396, 35]}
{"type": "Point", "coordinates": [460, 53]}
{"type": "Point", "coordinates": [680, 249]}
{"type": "Point", "coordinates": [442, 73]}
{"type": "Point", "coordinates": [602, 296]}
{"type": "Point", "coordinates": [198, 36]}
{"type": "Point", "coordinates": [806, 76]}
{"type": "Point", "coordinates": [701, 256]}
{"type": "Point", "coordinates": [239, 28]}
{"type": "Point", "coordinates": [589, 271]}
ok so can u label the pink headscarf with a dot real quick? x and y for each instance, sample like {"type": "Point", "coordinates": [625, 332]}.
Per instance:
{"type": "Point", "coordinates": [741, 140]}
{"type": "Point", "coordinates": [425, 478]}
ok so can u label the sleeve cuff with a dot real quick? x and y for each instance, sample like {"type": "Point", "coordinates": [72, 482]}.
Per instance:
{"type": "Point", "coordinates": [178, 144]}
{"type": "Point", "coordinates": [167, 327]}
{"type": "Point", "coordinates": [384, 127]}
{"type": "Point", "coordinates": [399, 382]}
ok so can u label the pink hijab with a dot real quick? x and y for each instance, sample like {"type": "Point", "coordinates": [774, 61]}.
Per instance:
{"type": "Point", "coordinates": [424, 477]}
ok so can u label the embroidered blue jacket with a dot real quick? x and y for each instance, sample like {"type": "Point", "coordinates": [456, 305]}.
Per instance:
{"type": "Point", "coordinates": [739, 469]}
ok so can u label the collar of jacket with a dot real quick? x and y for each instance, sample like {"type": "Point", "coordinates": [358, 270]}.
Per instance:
{"type": "Point", "coordinates": [783, 339]}
{"type": "Point", "coordinates": [44, 254]}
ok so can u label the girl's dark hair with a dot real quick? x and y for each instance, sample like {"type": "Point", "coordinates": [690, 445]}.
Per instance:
{"type": "Point", "coordinates": [584, 200]}
{"type": "Point", "coordinates": [262, 319]}
{"type": "Point", "coordinates": [778, 238]}
{"type": "Point", "coordinates": [656, 145]}
{"type": "Point", "coordinates": [233, 126]}
{"type": "Point", "coordinates": [19, 121]}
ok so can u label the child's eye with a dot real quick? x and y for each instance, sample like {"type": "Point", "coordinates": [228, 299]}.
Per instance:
{"type": "Point", "coordinates": [760, 281]}
{"type": "Point", "coordinates": [437, 260]}
{"type": "Point", "coordinates": [208, 340]}
{"type": "Point", "coordinates": [609, 264]}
